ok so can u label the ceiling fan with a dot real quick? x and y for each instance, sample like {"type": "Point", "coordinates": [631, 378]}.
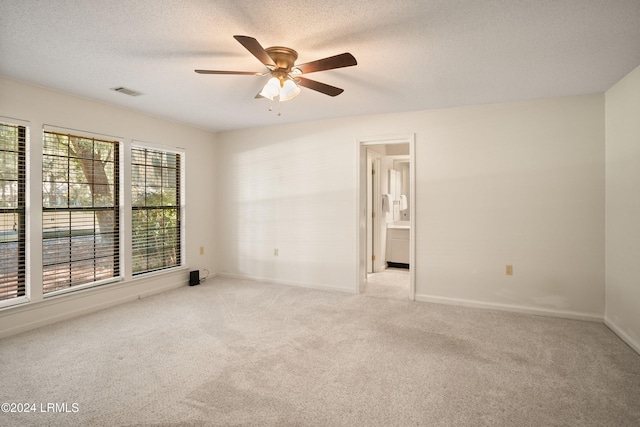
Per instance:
{"type": "Point", "coordinates": [285, 75]}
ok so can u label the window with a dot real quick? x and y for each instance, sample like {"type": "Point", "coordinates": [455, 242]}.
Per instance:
{"type": "Point", "coordinates": [156, 227]}
{"type": "Point", "coordinates": [13, 141]}
{"type": "Point", "coordinates": [80, 211]}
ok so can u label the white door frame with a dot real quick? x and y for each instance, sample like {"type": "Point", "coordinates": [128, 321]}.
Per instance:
{"type": "Point", "coordinates": [361, 212]}
{"type": "Point", "coordinates": [373, 188]}
{"type": "Point", "coordinates": [374, 224]}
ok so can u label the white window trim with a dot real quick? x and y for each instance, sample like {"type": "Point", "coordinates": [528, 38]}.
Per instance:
{"type": "Point", "coordinates": [183, 232]}
{"type": "Point", "coordinates": [121, 148]}
{"type": "Point", "coordinates": [27, 274]}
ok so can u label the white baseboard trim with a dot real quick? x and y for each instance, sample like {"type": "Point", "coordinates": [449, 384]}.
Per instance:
{"type": "Point", "coordinates": [286, 282]}
{"type": "Point", "coordinates": [622, 334]}
{"type": "Point", "coordinates": [575, 315]}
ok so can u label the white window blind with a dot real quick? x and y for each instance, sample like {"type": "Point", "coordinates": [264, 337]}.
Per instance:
{"type": "Point", "coordinates": [80, 218]}
{"type": "Point", "coordinates": [13, 142]}
{"type": "Point", "coordinates": [156, 225]}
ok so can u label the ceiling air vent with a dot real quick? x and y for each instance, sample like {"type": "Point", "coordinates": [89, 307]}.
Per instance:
{"type": "Point", "coordinates": [126, 91]}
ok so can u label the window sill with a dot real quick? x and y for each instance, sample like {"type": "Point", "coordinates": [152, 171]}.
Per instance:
{"type": "Point", "coordinates": [156, 273]}
{"type": "Point", "coordinates": [69, 295]}
{"type": "Point", "coordinates": [13, 302]}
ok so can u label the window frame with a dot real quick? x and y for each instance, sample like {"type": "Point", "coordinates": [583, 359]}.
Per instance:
{"type": "Point", "coordinates": [23, 140]}
{"type": "Point", "coordinates": [117, 207]}
{"type": "Point", "coordinates": [180, 205]}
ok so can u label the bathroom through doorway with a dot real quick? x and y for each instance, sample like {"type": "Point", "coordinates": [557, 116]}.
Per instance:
{"type": "Point", "coordinates": [386, 217]}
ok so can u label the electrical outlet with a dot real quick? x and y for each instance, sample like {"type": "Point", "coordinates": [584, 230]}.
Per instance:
{"type": "Point", "coordinates": [201, 250]}
{"type": "Point", "coordinates": [275, 252]}
{"type": "Point", "coordinates": [508, 270]}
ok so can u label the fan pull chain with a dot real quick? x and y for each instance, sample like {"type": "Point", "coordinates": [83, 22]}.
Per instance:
{"type": "Point", "coordinates": [271, 107]}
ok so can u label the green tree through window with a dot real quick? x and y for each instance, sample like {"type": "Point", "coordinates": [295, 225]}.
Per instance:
{"type": "Point", "coordinates": [80, 189]}
{"type": "Point", "coordinates": [156, 209]}
{"type": "Point", "coordinates": [12, 211]}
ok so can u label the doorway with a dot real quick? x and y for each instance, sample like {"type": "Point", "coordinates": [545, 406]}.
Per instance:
{"type": "Point", "coordinates": [386, 216]}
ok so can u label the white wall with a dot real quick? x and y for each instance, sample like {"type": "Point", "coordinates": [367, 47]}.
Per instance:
{"type": "Point", "coordinates": [623, 208]}
{"type": "Point", "coordinates": [39, 106]}
{"type": "Point", "coordinates": [291, 188]}
{"type": "Point", "coordinates": [519, 183]}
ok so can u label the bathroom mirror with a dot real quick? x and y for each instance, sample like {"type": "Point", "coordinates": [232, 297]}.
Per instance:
{"type": "Point", "coordinates": [402, 166]}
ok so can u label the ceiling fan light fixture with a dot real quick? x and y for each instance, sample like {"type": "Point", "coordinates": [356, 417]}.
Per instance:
{"type": "Point", "coordinates": [284, 88]}
{"type": "Point", "coordinates": [289, 90]}
{"type": "Point", "coordinates": [271, 89]}
{"type": "Point", "coordinates": [280, 62]}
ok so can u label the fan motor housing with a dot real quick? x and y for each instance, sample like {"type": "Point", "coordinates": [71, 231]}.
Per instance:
{"type": "Point", "coordinates": [284, 57]}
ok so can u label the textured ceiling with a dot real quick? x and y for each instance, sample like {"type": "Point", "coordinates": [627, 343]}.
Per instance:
{"type": "Point", "coordinates": [412, 55]}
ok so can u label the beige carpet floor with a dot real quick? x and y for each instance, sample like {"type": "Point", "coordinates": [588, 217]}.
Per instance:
{"type": "Point", "coordinates": [390, 283]}
{"type": "Point", "coordinates": [234, 352]}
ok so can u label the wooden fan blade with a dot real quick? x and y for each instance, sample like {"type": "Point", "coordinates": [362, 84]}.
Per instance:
{"type": "Point", "coordinates": [244, 73]}
{"type": "Point", "coordinates": [256, 49]}
{"type": "Point", "coordinates": [319, 87]}
{"type": "Point", "coordinates": [337, 61]}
